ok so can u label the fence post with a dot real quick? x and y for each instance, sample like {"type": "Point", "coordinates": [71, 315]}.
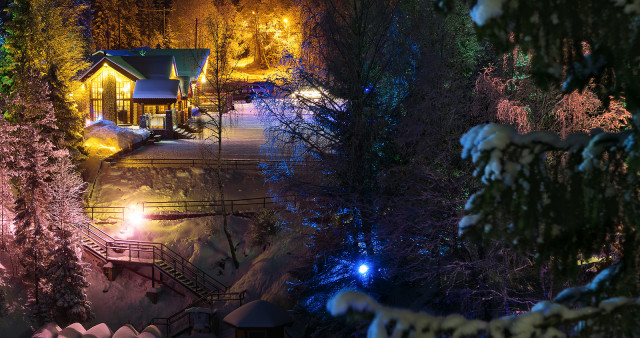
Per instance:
{"type": "Point", "coordinates": [186, 208]}
{"type": "Point", "coordinates": [231, 206]}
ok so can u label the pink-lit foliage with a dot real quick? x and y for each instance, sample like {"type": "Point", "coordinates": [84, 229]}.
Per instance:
{"type": "Point", "coordinates": [65, 272]}
{"type": "Point", "coordinates": [47, 205]}
{"type": "Point", "coordinates": [518, 102]}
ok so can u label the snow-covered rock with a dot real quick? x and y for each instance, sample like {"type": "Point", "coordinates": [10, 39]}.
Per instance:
{"type": "Point", "coordinates": [99, 331]}
{"type": "Point", "coordinates": [76, 330]}
{"type": "Point", "coordinates": [104, 138]}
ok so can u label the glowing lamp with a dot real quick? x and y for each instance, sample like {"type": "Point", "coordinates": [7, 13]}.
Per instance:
{"type": "Point", "coordinates": [135, 216]}
{"type": "Point", "coordinates": [363, 269]}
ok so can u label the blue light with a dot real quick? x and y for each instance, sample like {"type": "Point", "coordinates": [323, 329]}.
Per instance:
{"type": "Point", "coordinates": [363, 269]}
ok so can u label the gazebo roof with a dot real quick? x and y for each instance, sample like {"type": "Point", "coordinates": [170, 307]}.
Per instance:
{"type": "Point", "coordinates": [258, 314]}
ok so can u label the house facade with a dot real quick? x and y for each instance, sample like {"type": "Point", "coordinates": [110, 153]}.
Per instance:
{"type": "Point", "coordinates": [123, 85]}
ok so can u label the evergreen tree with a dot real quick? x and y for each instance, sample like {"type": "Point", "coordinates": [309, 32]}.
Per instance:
{"type": "Point", "coordinates": [8, 154]}
{"type": "Point", "coordinates": [33, 236]}
{"type": "Point", "coordinates": [65, 272]}
{"type": "Point", "coordinates": [32, 114]}
{"type": "Point", "coordinates": [45, 37]}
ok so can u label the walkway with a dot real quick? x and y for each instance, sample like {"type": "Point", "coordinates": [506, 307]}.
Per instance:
{"type": "Point", "coordinates": [242, 140]}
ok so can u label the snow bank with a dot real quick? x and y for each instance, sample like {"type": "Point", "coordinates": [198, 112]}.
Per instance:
{"type": "Point", "coordinates": [104, 138]}
{"type": "Point", "coordinates": [485, 10]}
{"type": "Point", "coordinates": [76, 330]}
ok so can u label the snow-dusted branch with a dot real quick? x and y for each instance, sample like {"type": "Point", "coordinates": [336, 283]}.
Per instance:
{"type": "Point", "coordinates": [542, 321]}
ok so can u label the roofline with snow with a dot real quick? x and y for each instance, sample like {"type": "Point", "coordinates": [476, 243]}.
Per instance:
{"type": "Point", "coordinates": [98, 65]}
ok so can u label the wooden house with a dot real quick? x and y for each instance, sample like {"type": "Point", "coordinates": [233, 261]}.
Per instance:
{"type": "Point", "coordinates": [122, 85]}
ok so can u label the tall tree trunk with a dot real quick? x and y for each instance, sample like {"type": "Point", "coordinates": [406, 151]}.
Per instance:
{"type": "Point", "coordinates": [225, 224]}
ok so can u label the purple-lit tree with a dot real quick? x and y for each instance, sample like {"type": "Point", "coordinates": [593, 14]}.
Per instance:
{"type": "Point", "coordinates": [48, 200]}
{"type": "Point", "coordinates": [65, 273]}
{"type": "Point", "coordinates": [33, 237]}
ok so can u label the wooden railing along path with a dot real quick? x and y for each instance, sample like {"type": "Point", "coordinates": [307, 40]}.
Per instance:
{"type": "Point", "coordinates": [212, 207]}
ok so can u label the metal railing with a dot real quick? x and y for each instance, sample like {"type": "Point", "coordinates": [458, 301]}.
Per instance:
{"type": "Point", "coordinates": [175, 324]}
{"type": "Point", "coordinates": [93, 210]}
{"type": "Point", "coordinates": [156, 254]}
{"type": "Point", "coordinates": [237, 164]}
{"type": "Point", "coordinates": [231, 206]}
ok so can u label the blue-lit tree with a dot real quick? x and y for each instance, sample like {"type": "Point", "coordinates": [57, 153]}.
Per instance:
{"type": "Point", "coordinates": [343, 102]}
{"type": "Point", "coordinates": [568, 202]}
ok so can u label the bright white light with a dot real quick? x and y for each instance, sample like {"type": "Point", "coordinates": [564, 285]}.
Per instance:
{"type": "Point", "coordinates": [363, 269]}
{"type": "Point", "coordinates": [309, 94]}
{"type": "Point", "coordinates": [135, 216]}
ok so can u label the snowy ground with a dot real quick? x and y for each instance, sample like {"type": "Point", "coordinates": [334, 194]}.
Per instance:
{"type": "Point", "coordinates": [263, 271]}
{"type": "Point", "coordinates": [124, 186]}
{"type": "Point", "coordinates": [243, 137]}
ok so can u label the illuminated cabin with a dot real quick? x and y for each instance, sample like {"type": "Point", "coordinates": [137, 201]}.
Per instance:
{"type": "Point", "coordinates": [122, 85]}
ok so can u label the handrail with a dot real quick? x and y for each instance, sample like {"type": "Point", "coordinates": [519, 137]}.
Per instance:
{"type": "Point", "coordinates": [192, 268]}
{"type": "Point", "coordinates": [165, 254]}
{"type": "Point", "coordinates": [233, 204]}
{"type": "Point", "coordinates": [181, 313]}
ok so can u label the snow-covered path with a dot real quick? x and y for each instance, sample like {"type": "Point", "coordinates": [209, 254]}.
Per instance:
{"type": "Point", "coordinates": [241, 140]}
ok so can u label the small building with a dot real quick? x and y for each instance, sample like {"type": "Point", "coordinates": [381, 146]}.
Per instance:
{"type": "Point", "coordinates": [122, 85]}
{"type": "Point", "coordinates": [259, 319]}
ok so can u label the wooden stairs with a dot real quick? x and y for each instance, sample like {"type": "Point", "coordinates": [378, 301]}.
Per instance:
{"type": "Point", "coordinates": [157, 255]}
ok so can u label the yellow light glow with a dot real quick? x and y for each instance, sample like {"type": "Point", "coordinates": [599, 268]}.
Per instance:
{"type": "Point", "coordinates": [204, 71]}
{"type": "Point", "coordinates": [135, 216]}
{"type": "Point", "coordinates": [95, 145]}
{"type": "Point", "coordinates": [126, 88]}
{"type": "Point", "coordinates": [100, 89]}
{"type": "Point", "coordinates": [285, 20]}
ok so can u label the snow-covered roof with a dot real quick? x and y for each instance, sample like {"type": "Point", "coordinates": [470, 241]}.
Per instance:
{"type": "Point", "coordinates": [151, 67]}
{"type": "Point", "coordinates": [184, 85]}
{"type": "Point", "coordinates": [189, 62]}
{"type": "Point", "coordinates": [156, 91]}
{"type": "Point", "coordinates": [115, 62]}
{"type": "Point", "coordinates": [258, 314]}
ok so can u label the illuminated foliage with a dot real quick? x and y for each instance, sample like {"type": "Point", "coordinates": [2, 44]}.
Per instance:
{"type": "Point", "coordinates": [44, 37]}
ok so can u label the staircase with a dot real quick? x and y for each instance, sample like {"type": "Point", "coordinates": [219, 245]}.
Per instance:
{"type": "Point", "coordinates": [178, 323]}
{"type": "Point", "coordinates": [181, 133]}
{"type": "Point", "coordinates": [159, 256]}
